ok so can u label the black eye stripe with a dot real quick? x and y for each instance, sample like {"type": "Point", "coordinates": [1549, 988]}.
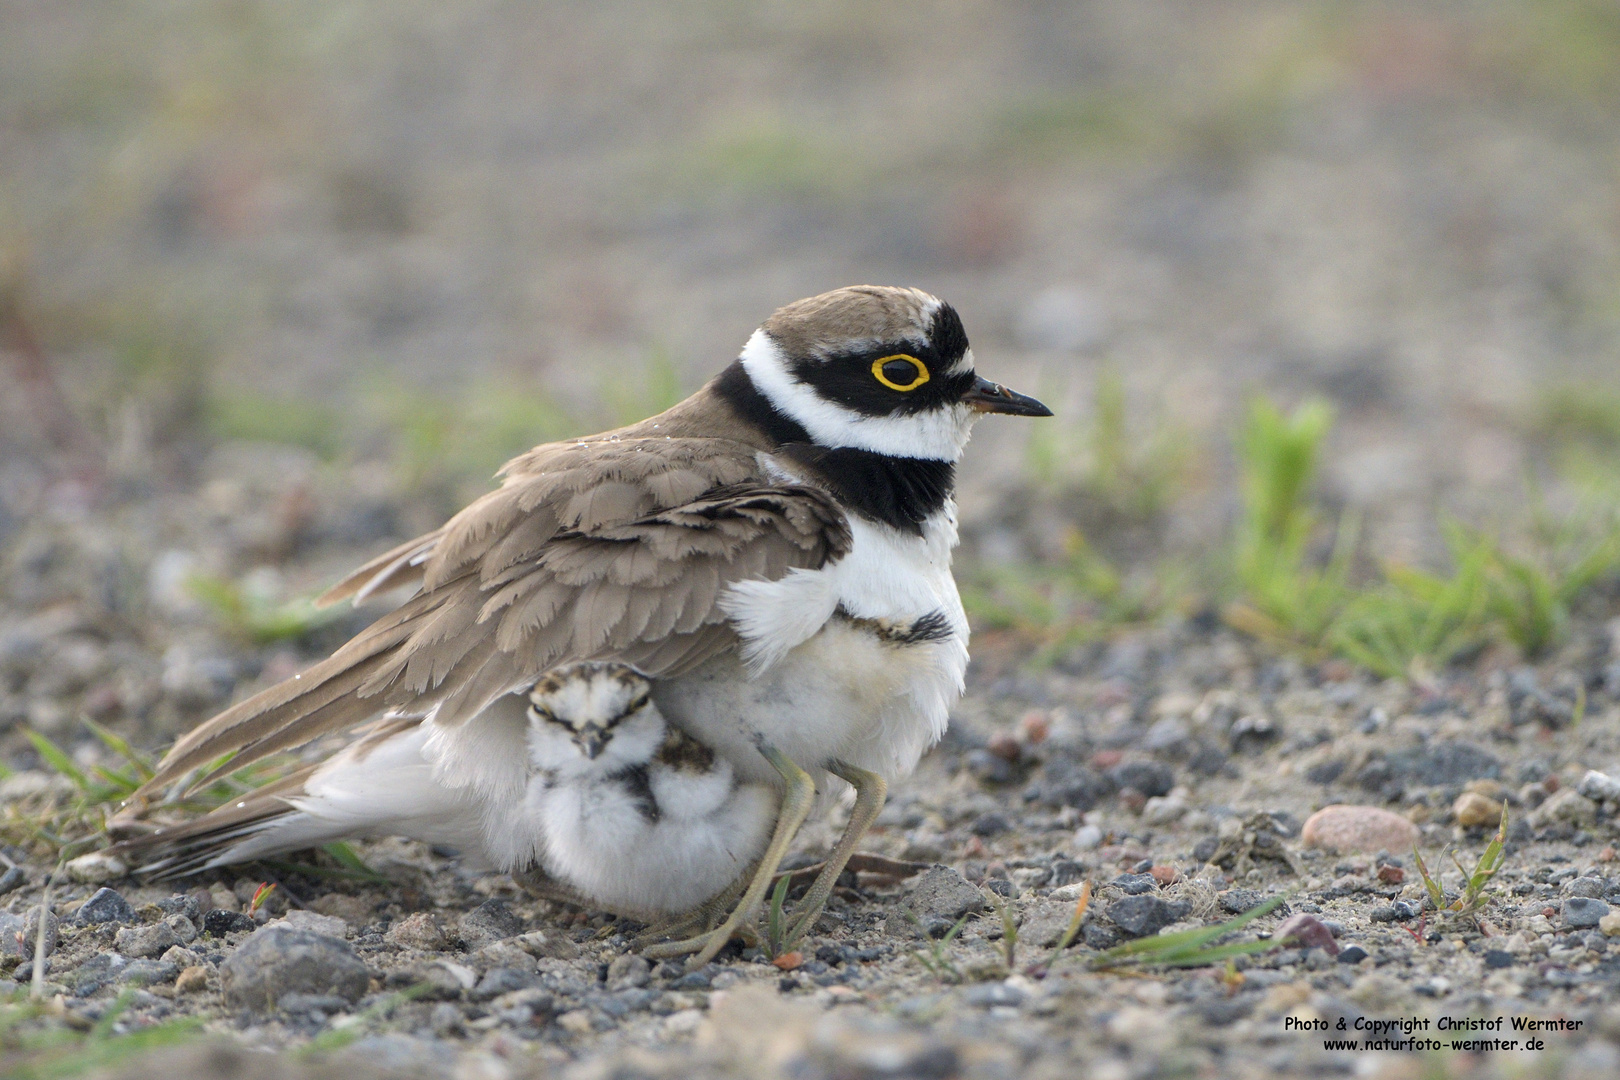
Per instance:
{"type": "Point", "coordinates": [848, 380]}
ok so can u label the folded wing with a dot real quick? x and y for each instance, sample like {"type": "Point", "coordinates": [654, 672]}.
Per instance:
{"type": "Point", "coordinates": [608, 548]}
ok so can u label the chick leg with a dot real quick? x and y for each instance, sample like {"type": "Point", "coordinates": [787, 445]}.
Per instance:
{"type": "Point", "coordinates": [796, 802]}
{"type": "Point", "coordinates": [870, 791]}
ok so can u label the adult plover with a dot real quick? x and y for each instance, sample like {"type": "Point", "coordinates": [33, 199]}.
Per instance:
{"type": "Point", "coordinates": [773, 553]}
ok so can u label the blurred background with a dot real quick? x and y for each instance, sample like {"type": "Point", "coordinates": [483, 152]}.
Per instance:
{"type": "Point", "coordinates": [282, 283]}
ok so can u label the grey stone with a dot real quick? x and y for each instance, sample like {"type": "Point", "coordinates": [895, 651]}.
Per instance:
{"type": "Point", "coordinates": [13, 878]}
{"type": "Point", "coordinates": [504, 980]}
{"type": "Point", "coordinates": [938, 898]}
{"type": "Point", "coordinates": [181, 904]}
{"type": "Point", "coordinates": [148, 972]}
{"type": "Point", "coordinates": [1098, 936]}
{"type": "Point", "coordinates": [1139, 916]}
{"type": "Point", "coordinates": [1583, 911]}
{"type": "Point", "coordinates": [696, 980]}
{"type": "Point", "coordinates": [488, 923]}
{"type": "Point", "coordinates": [1065, 783]}
{"type": "Point", "coordinates": [1148, 777]}
{"type": "Point", "coordinates": [1237, 901]}
{"type": "Point", "coordinates": [1599, 786]}
{"type": "Point", "coordinates": [315, 923]}
{"type": "Point", "coordinates": [147, 941]}
{"type": "Point", "coordinates": [992, 824]}
{"type": "Point", "coordinates": [987, 995]}
{"type": "Point", "coordinates": [274, 962]}
{"type": "Point", "coordinates": [444, 978]}
{"type": "Point", "coordinates": [1498, 958]}
{"type": "Point", "coordinates": [94, 973]}
{"type": "Point", "coordinates": [628, 972]}
{"type": "Point", "coordinates": [220, 922]}
{"type": "Point", "coordinates": [1352, 954]}
{"type": "Point", "coordinates": [105, 906]}
{"type": "Point", "coordinates": [312, 1003]}
{"type": "Point", "coordinates": [1135, 884]}
{"type": "Point", "coordinates": [19, 933]}
{"type": "Point", "coordinates": [1586, 886]}
{"type": "Point", "coordinates": [446, 1019]}
{"type": "Point", "coordinates": [1044, 924]}
{"type": "Point", "coordinates": [1450, 762]}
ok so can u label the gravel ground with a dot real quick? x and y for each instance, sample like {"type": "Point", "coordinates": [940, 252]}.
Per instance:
{"type": "Point", "coordinates": [1175, 768]}
{"type": "Point", "coordinates": [1408, 212]}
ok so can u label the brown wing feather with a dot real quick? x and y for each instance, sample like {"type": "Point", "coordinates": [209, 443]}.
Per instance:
{"type": "Point", "coordinates": [390, 570]}
{"type": "Point", "coordinates": [580, 555]}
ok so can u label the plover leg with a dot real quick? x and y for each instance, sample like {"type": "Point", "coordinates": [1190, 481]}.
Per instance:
{"type": "Point", "coordinates": [706, 916]}
{"type": "Point", "coordinates": [870, 792]}
{"type": "Point", "coordinates": [797, 799]}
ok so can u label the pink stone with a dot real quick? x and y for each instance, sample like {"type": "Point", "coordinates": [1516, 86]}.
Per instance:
{"type": "Point", "coordinates": [1308, 931]}
{"type": "Point", "coordinates": [1359, 828]}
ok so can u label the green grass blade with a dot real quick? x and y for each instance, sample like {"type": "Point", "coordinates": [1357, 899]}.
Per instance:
{"type": "Point", "coordinates": [58, 759]}
{"type": "Point", "coordinates": [346, 857]}
{"type": "Point", "coordinates": [1178, 944]}
{"type": "Point", "coordinates": [120, 746]}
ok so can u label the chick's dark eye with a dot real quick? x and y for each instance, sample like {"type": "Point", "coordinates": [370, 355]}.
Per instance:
{"type": "Point", "coordinates": [900, 372]}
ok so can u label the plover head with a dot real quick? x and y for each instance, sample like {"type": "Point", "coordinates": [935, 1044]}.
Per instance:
{"type": "Point", "coordinates": [876, 368]}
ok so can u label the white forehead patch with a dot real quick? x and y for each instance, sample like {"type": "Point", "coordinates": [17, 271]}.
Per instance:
{"type": "Point", "coordinates": [588, 694]}
{"type": "Point", "coordinates": [935, 434]}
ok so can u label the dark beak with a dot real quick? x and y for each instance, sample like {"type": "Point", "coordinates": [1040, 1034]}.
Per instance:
{"type": "Point", "coordinates": [592, 744]}
{"type": "Point", "coordinates": [989, 397]}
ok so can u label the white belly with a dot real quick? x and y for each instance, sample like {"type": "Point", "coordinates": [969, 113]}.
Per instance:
{"type": "Point", "coordinates": [843, 694]}
{"type": "Point", "coordinates": [598, 841]}
{"type": "Point", "coordinates": [818, 686]}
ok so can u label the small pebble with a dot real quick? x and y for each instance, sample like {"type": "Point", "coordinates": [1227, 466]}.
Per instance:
{"type": "Point", "coordinates": [1358, 828]}
{"type": "Point", "coordinates": [1596, 785]}
{"type": "Point", "coordinates": [105, 906]}
{"type": "Point", "coordinates": [576, 1022]}
{"type": "Point", "coordinates": [419, 931]}
{"type": "Point", "coordinates": [220, 922]}
{"type": "Point", "coordinates": [1143, 915]}
{"type": "Point", "coordinates": [993, 823]}
{"type": "Point", "coordinates": [275, 962]}
{"type": "Point", "coordinates": [1352, 954]}
{"type": "Point", "coordinates": [1497, 958]}
{"type": "Point", "coordinates": [488, 923]}
{"type": "Point", "coordinates": [1005, 746]}
{"type": "Point", "coordinates": [1473, 810]}
{"type": "Point", "coordinates": [1307, 931]}
{"type": "Point", "coordinates": [1582, 911]}
{"type": "Point", "coordinates": [96, 868]}
{"type": "Point", "coordinates": [1610, 924]}
{"type": "Point", "coordinates": [192, 980]}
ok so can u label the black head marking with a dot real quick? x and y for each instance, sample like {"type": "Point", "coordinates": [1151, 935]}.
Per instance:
{"type": "Point", "coordinates": [846, 377]}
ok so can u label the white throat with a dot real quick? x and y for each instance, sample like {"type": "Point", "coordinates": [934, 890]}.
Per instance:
{"type": "Point", "coordinates": [938, 434]}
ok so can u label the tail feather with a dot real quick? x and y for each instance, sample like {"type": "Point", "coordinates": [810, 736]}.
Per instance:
{"type": "Point", "coordinates": [381, 785]}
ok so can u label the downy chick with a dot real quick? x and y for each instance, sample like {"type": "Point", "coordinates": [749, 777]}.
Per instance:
{"type": "Point", "coordinates": [633, 813]}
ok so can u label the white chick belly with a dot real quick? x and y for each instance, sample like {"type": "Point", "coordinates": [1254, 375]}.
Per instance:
{"type": "Point", "coordinates": [599, 842]}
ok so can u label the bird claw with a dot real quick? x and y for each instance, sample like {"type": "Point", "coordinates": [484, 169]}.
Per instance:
{"type": "Point", "coordinates": [706, 946]}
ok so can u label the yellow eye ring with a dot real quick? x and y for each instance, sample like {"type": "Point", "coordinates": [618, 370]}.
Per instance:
{"type": "Point", "coordinates": [880, 362]}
